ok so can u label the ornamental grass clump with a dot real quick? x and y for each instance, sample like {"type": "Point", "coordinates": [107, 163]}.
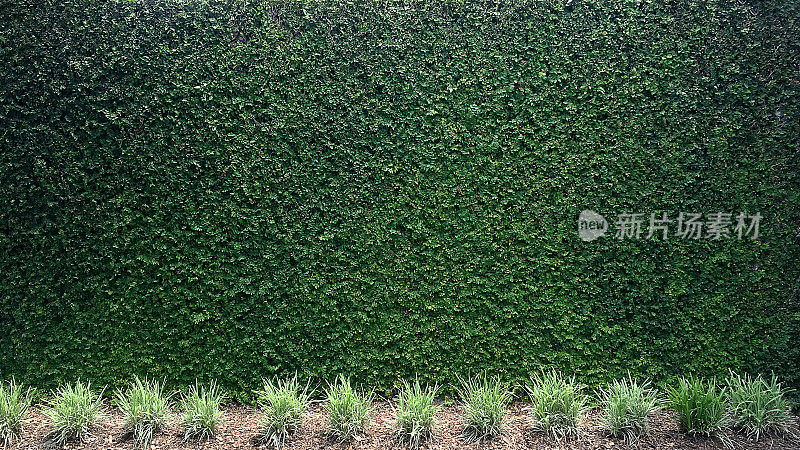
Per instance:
{"type": "Point", "coordinates": [282, 404]}
{"type": "Point", "coordinates": [415, 413]}
{"type": "Point", "coordinates": [348, 409]}
{"type": "Point", "coordinates": [145, 408]}
{"type": "Point", "coordinates": [558, 403]}
{"type": "Point", "coordinates": [626, 404]}
{"type": "Point", "coordinates": [486, 403]}
{"type": "Point", "coordinates": [757, 406]}
{"type": "Point", "coordinates": [700, 406]}
{"type": "Point", "coordinates": [202, 411]}
{"type": "Point", "coordinates": [14, 403]}
{"type": "Point", "coordinates": [73, 410]}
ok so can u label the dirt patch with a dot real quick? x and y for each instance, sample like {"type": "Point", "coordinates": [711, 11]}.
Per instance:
{"type": "Point", "coordinates": [238, 431]}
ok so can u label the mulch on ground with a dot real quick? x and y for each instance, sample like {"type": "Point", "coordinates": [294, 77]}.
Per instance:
{"type": "Point", "coordinates": [238, 431]}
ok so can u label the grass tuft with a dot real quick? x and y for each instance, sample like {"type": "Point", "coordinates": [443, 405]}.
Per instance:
{"type": "Point", "coordinates": [202, 411]}
{"type": "Point", "coordinates": [14, 403]}
{"type": "Point", "coordinates": [700, 406]}
{"type": "Point", "coordinates": [415, 413]}
{"type": "Point", "coordinates": [73, 410]}
{"type": "Point", "coordinates": [757, 406]}
{"type": "Point", "coordinates": [486, 402]}
{"type": "Point", "coordinates": [348, 409]}
{"type": "Point", "coordinates": [627, 403]}
{"type": "Point", "coordinates": [557, 403]}
{"type": "Point", "coordinates": [283, 404]}
{"type": "Point", "coordinates": [145, 408]}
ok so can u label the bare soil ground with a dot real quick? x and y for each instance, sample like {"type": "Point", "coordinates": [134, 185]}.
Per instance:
{"type": "Point", "coordinates": [238, 431]}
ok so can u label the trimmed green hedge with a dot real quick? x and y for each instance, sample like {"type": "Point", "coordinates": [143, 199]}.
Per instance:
{"type": "Point", "coordinates": [240, 189]}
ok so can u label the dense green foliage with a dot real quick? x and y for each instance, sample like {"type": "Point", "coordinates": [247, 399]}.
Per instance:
{"type": "Point", "coordinates": [238, 190]}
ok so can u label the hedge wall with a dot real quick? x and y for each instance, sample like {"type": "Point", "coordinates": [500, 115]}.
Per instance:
{"type": "Point", "coordinates": [240, 189]}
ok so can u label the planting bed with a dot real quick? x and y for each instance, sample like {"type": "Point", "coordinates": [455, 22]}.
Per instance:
{"type": "Point", "coordinates": [238, 431]}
